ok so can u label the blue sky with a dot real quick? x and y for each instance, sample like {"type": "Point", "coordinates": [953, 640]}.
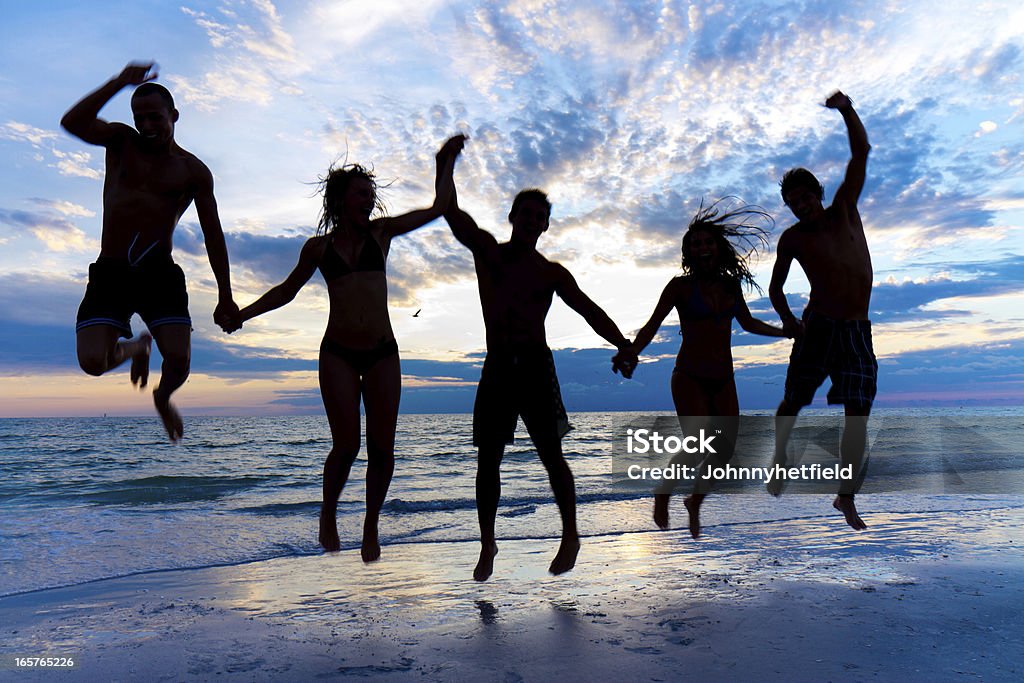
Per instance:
{"type": "Point", "coordinates": [627, 113]}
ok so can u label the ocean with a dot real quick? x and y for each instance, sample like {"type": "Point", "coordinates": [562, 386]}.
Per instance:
{"type": "Point", "coordinates": [85, 499]}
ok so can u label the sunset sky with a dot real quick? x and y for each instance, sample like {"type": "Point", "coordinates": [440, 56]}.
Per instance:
{"type": "Point", "coordinates": [626, 113]}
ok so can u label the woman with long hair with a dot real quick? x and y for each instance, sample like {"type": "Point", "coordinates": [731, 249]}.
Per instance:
{"type": "Point", "coordinates": [708, 295]}
{"type": "Point", "coordinates": [359, 354]}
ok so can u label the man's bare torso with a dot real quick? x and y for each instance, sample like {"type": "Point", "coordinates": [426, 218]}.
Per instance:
{"type": "Point", "coordinates": [517, 285]}
{"type": "Point", "coordinates": [834, 255]}
{"type": "Point", "coordinates": [145, 193]}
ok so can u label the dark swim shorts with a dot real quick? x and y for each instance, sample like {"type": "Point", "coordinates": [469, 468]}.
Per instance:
{"type": "Point", "coordinates": [839, 349]}
{"type": "Point", "coordinates": [154, 288]}
{"type": "Point", "coordinates": [514, 383]}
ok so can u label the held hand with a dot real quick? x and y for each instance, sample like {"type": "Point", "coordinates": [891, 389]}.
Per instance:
{"type": "Point", "coordinates": [451, 148]}
{"type": "Point", "coordinates": [227, 316]}
{"type": "Point", "coordinates": [838, 100]}
{"type": "Point", "coordinates": [137, 73]}
{"type": "Point", "coordinates": [625, 361]}
{"type": "Point", "coordinates": [793, 327]}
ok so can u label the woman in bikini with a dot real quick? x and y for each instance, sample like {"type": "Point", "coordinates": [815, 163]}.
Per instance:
{"type": "Point", "coordinates": [708, 295]}
{"type": "Point", "coordinates": [359, 354]}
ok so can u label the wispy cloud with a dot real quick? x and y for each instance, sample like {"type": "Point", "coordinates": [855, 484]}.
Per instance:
{"type": "Point", "coordinates": [53, 230]}
{"type": "Point", "coordinates": [23, 132]}
{"type": "Point", "coordinates": [253, 56]}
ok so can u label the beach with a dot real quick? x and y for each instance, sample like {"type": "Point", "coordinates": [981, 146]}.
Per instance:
{"type": "Point", "coordinates": [924, 595]}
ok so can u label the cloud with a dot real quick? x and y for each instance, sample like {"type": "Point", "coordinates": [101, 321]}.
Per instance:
{"type": "Point", "coordinates": [63, 207]}
{"type": "Point", "coordinates": [68, 163]}
{"type": "Point", "coordinates": [269, 258]}
{"type": "Point", "coordinates": [55, 232]}
{"type": "Point", "coordinates": [23, 132]}
{"type": "Point", "coordinates": [894, 301]}
{"type": "Point", "coordinates": [40, 298]}
{"type": "Point", "coordinates": [255, 57]}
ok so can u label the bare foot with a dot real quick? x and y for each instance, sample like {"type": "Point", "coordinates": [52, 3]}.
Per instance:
{"type": "Point", "coordinates": [566, 557]}
{"type": "Point", "coordinates": [370, 550]}
{"type": "Point", "coordinates": [328, 537]}
{"type": "Point", "coordinates": [846, 505]}
{"type": "Point", "coordinates": [661, 510]}
{"type": "Point", "coordinates": [140, 359]}
{"type": "Point", "coordinates": [692, 504]}
{"type": "Point", "coordinates": [169, 414]}
{"type": "Point", "coordinates": [485, 565]}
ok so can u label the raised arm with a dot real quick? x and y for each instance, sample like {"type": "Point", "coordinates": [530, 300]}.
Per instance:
{"type": "Point", "coordinates": [466, 230]}
{"type": "Point", "coordinates": [83, 121]}
{"type": "Point", "coordinates": [279, 295]}
{"type": "Point", "coordinates": [216, 248]}
{"type": "Point", "coordinates": [443, 187]}
{"type": "Point", "coordinates": [853, 182]}
{"type": "Point", "coordinates": [784, 256]}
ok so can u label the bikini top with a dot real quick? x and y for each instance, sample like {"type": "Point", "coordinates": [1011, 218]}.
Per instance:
{"type": "Point", "coordinates": [333, 266]}
{"type": "Point", "coordinates": [697, 308]}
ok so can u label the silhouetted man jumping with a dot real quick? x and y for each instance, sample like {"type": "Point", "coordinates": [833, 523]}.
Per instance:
{"type": "Point", "coordinates": [517, 285]}
{"type": "Point", "coordinates": [150, 182]}
{"type": "Point", "coordinates": [833, 338]}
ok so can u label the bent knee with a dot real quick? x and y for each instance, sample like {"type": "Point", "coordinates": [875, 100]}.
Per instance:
{"type": "Point", "coordinates": [177, 362]}
{"type": "Point", "coordinates": [92, 363]}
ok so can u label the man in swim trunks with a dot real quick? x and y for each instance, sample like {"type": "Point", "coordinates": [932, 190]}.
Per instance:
{"type": "Point", "coordinates": [150, 182]}
{"type": "Point", "coordinates": [834, 336]}
{"type": "Point", "coordinates": [516, 286]}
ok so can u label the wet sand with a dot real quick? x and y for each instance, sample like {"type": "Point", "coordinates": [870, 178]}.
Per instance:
{"type": "Point", "coordinates": [918, 596]}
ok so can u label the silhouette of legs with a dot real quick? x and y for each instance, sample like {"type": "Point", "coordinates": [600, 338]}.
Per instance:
{"type": "Point", "coordinates": [174, 342]}
{"type": "Point", "coordinates": [564, 488]}
{"type": "Point", "coordinates": [785, 419]}
{"type": "Point", "coordinates": [851, 452]}
{"type": "Point", "coordinates": [693, 399]}
{"type": "Point", "coordinates": [488, 493]}
{"type": "Point", "coordinates": [100, 349]}
{"type": "Point", "coordinates": [382, 389]}
{"type": "Point", "coordinates": [339, 388]}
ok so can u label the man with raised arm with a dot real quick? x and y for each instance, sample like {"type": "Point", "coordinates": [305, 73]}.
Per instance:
{"type": "Point", "coordinates": [516, 286]}
{"type": "Point", "coordinates": [150, 182]}
{"type": "Point", "coordinates": [833, 338]}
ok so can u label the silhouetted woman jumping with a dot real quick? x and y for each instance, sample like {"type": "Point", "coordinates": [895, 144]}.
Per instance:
{"type": "Point", "coordinates": [359, 354]}
{"type": "Point", "coordinates": [708, 295]}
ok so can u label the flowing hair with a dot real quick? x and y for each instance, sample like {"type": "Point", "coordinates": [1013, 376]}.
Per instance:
{"type": "Point", "coordinates": [333, 187]}
{"type": "Point", "coordinates": [739, 233]}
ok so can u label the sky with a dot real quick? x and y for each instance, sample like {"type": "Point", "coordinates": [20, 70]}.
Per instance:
{"type": "Point", "coordinates": [628, 114]}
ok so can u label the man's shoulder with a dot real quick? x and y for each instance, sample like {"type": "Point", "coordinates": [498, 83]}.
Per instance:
{"type": "Point", "coordinates": [792, 234]}
{"type": "Point", "coordinates": [189, 158]}
{"type": "Point", "coordinates": [555, 268]}
{"type": "Point", "coordinates": [511, 254]}
{"type": "Point", "coordinates": [123, 130]}
{"type": "Point", "coordinates": [118, 134]}
{"type": "Point", "coordinates": [842, 210]}
{"type": "Point", "coordinates": [197, 170]}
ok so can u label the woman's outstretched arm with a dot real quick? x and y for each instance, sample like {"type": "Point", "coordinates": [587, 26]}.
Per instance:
{"type": "Point", "coordinates": [751, 324]}
{"type": "Point", "coordinates": [669, 296]}
{"type": "Point", "coordinates": [279, 295]}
